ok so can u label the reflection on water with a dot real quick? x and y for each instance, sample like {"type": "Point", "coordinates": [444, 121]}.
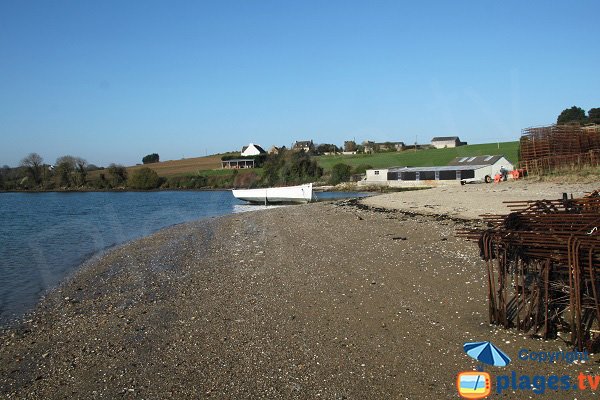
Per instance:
{"type": "Point", "coordinates": [46, 236]}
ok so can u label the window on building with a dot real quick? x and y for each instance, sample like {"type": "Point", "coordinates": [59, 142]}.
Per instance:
{"type": "Point", "coordinates": [376, 172]}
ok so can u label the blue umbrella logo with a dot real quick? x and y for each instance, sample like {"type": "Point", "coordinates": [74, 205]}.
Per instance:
{"type": "Point", "coordinates": [487, 353]}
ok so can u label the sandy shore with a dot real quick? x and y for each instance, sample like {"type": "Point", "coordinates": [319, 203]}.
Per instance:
{"type": "Point", "coordinates": [327, 300]}
{"type": "Point", "coordinates": [471, 201]}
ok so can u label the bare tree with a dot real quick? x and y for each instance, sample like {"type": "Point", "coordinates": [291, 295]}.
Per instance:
{"type": "Point", "coordinates": [81, 170]}
{"type": "Point", "coordinates": [33, 163]}
{"type": "Point", "coordinates": [118, 174]}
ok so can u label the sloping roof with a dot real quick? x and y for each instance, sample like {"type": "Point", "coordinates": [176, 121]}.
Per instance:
{"type": "Point", "coordinates": [476, 160]}
{"type": "Point", "coordinates": [303, 143]}
{"type": "Point", "coordinates": [259, 148]}
{"type": "Point", "coordinates": [444, 138]}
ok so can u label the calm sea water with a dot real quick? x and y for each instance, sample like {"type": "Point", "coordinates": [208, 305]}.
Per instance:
{"type": "Point", "coordinates": [46, 236]}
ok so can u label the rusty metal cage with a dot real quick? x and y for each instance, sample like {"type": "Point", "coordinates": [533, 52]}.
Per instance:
{"type": "Point", "coordinates": [543, 267]}
{"type": "Point", "coordinates": [549, 148]}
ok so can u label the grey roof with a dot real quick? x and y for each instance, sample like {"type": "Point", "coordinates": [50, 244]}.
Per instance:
{"type": "Point", "coordinates": [259, 148]}
{"type": "Point", "coordinates": [238, 160]}
{"type": "Point", "coordinates": [476, 160]}
{"type": "Point", "coordinates": [303, 143]}
{"type": "Point", "coordinates": [444, 138]}
{"type": "Point", "coordinates": [442, 168]}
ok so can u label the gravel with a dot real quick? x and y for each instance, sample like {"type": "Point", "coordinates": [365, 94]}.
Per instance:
{"type": "Point", "coordinates": [329, 300]}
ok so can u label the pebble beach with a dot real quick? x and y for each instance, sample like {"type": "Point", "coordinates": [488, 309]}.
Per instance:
{"type": "Point", "coordinates": [348, 299]}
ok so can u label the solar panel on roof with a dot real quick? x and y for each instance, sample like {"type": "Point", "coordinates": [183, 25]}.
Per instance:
{"type": "Point", "coordinates": [471, 159]}
{"type": "Point", "coordinates": [463, 159]}
{"type": "Point", "coordinates": [488, 158]}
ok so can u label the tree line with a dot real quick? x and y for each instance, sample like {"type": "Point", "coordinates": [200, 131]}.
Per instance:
{"type": "Point", "coordinates": [75, 173]}
{"type": "Point", "coordinates": [67, 173]}
{"type": "Point", "coordinates": [577, 115]}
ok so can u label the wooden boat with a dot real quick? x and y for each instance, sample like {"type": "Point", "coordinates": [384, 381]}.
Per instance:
{"type": "Point", "coordinates": [288, 194]}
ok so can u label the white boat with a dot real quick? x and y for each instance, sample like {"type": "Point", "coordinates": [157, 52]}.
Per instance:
{"type": "Point", "coordinates": [288, 194]}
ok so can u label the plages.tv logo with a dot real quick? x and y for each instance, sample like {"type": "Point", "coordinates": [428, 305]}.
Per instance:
{"type": "Point", "coordinates": [477, 384]}
{"type": "Point", "coordinates": [473, 384]}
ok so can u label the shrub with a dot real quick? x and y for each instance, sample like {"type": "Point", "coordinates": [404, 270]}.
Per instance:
{"type": "Point", "coordinates": [186, 182]}
{"type": "Point", "coordinates": [290, 168]}
{"type": "Point", "coordinates": [221, 181]}
{"type": "Point", "coordinates": [245, 180]}
{"type": "Point", "coordinates": [362, 168]}
{"type": "Point", "coordinates": [340, 173]}
{"type": "Point", "coordinates": [117, 175]}
{"type": "Point", "coordinates": [144, 179]}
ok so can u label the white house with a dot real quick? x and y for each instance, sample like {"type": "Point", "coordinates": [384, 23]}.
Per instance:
{"type": "Point", "coordinates": [440, 142]}
{"type": "Point", "coordinates": [252, 150]}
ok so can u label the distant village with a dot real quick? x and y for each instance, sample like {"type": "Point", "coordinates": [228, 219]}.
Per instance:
{"type": "Point", "coordinates": [252, 150]}
{"type": "Point", "coordinates": [483, 168]}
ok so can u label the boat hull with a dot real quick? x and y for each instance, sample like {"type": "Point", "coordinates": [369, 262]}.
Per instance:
{"type": "Point", "coordinates": [290, 194]}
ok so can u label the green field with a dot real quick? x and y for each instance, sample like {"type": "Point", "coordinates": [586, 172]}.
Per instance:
{"type": "Point", "coordinates": [422, 158]}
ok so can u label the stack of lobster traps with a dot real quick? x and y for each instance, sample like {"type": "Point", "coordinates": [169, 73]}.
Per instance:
{"type": "Point", "coordinates": [543, 266]}
{"type": "Point", "coordinates": [549, 148]}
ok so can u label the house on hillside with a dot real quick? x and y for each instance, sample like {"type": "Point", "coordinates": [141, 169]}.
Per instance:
{"type": "Point", "coordinates": [252, 150]}
{"type": "Point", "coordinates": [275, 149]}
{"type": "Point", "coordinates": [441, 142]}
{"type": "Point", "coordinates": [306, 145]}
{"type": "Point", "coordinates": [372, 147]}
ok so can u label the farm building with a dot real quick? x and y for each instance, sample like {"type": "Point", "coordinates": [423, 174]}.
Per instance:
{"type": "Point", "coordinates": [238, 163]}
{"type": "Point", "coordinates": [378, 175]}
{"type": "Point", "coordinates": [252, 150]}
{"type": "Point", "coordinates": [441, 142]}
{"type": "Point", "coordinates": [459, 170]}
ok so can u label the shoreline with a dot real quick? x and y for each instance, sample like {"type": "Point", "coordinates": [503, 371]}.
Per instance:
{"type": "Point", "coordinates": [89, 260]}
{"type": "Point", "coordinates": [14, 310]}
{"type": "Point", "coordinates": [296, 302]}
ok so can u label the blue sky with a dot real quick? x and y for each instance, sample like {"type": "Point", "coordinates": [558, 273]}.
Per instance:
{"type": "Point", "coordinates": [111, 81]}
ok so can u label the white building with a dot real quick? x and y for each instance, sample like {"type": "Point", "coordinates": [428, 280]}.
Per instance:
{"type": "Point", "coordinates": [378, 175]}
{"type": "Point", "coordinates": [441, 142]}
{"type": "Point", "coordinates": [459, 170]}
{"type": "Point", "coordinates": [252, 150]}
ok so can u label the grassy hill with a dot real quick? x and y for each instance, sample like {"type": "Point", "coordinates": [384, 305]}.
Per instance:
{"type": "Point", "coordinates": [182, 167]}
{"type": "Point", "coordinates": [422, 158]}
{"type": "Point", "coordinates": [211, 165]}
